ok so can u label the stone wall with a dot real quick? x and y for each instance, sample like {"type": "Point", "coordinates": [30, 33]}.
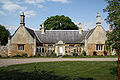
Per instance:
{"type": "Point", "coordinates": [3, 51]}
{"type": "Point", "coordinates": [97, 37]}
{"type": "Point", "coordinates": [28, 49]}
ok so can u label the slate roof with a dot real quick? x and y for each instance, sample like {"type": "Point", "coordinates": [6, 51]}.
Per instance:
{"type": "Point", "coordinates": [31, 32]}
{"type": "Point", "coordinates": [67, 36]}
{"type": "Point", "coordinates": [89, 33]}
{"type": "Point", "coordinates": [53, 36]}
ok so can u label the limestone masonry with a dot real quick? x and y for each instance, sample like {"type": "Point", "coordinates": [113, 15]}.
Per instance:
{"type": "Point", "coordinates": [61, 42]}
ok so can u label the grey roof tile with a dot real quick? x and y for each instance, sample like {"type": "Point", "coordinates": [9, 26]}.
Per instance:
{"type": "Point", "coordinates": [67, 36]}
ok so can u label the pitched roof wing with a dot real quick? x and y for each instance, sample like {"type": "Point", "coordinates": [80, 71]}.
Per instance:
{"type": "Point", "coordinates": [67, 36]}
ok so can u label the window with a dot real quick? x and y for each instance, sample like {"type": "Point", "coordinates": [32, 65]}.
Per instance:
{"type": "Point", "coordinates": [20, 46]}
{"type": "Point", "coordinates": [50, 45]}
{"type": "Point", "coordinates": [72, 45]}
{"type": "Point", "coordinates": [99, 47]}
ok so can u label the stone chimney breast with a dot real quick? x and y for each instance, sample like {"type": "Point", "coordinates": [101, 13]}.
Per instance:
{"type": "Point", "coordinates": [80, 28]}
{"type": "Point", "coordinates": [22, 23]}
{"type": "Point", "coordinates": [98, 19]}
{"type": "Point", "coordinates": [43, 30]}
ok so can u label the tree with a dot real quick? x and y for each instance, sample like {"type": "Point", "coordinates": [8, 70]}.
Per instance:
{"type": "Point", "coordinates": [113, 9]}
{"type": "Point", "coordinates": [4, 34]}
{"type": "Point", "coordinates": [113, 38]}
{"type": "Point", "coordinates": [59, 23]}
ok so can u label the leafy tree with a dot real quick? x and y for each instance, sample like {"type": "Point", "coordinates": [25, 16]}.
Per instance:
{"type": "Point", "coordinates": [4, 34]}
{"type": "Point", "coordinates": [113, 9]}
{"type": "Point", "coordinates": [59, 23]}
{"type": "Point", "coordinates": [113, 38]}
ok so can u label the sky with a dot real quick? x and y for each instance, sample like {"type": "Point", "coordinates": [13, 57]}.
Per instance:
{"type": "Point", "coordinates": [37, 11]}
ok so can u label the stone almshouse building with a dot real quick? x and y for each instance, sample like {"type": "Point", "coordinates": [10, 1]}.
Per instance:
{"type": "Point", "coordinates": [62, 42]}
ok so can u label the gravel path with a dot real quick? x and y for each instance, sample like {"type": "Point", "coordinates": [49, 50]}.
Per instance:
{"type": "Point", "coordinates": [7, 62]}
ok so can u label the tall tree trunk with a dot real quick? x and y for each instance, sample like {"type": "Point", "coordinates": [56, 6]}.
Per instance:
{"type": "Point", "coordinates": [118, 60]}
{"type": "Point", "coordinates": [118, 68]}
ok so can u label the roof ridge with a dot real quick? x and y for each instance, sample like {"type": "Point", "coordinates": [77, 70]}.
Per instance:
{"type": "Point", "coordinates": [63, 30]}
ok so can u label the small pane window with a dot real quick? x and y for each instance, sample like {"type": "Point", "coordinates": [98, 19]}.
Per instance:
{"type": "Point", "coordinates": [50, 45]}
{"type": "Point", "coordinates": [99, 47]}
{"type": "Point", "coordinates": [72, 45]}
{"type": "Point", "coordinates": [20, 46]}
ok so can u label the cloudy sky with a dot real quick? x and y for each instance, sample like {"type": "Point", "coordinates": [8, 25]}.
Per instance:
{"type": "Point", "coordinates": [37, 11]}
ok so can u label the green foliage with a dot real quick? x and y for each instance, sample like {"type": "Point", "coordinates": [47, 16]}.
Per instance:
{"type": "Point", "coordinates": [4, 34]}
{"type": "Point", "coordinates": [113, 9]}
{"type": "Point", "coordinates": [66, 55]}
{"type": "Point", "coordinates": [21, 55]}
{"type": "Point", "coordinates": [17, 55]}
{"type": "Point", "coordinates": [37, 54]}
{"type": "Point", "coordinates": [24, 55]}
{"type": "Point", "coordinates": [84, 53]}
{"type": "Point", "coordinates": [53, 55]}
{"type": "Point", "coordinates": [75, 54]}
{"type": "Point", "coordinates": [113, 40]}
{"type": "Point", "coordinates": [59, 23]}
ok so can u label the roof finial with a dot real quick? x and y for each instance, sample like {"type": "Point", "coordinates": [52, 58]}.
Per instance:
{"type": "Point", "coordinates": [98, 19]}
{"type": "Point", "coordinates": [22, 19]}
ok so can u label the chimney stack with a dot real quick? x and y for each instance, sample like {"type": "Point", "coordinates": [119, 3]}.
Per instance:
{"type": "Point", "coordinates": [22, 23]}
{"type": "Point", "coordinates": [43, 30]}
{"type": "Point", "coordinates": [98, 19]}
{"type": "Point", "coordinates": [80, 28]}
{"type": "Point", "coordinates": [110, 28]}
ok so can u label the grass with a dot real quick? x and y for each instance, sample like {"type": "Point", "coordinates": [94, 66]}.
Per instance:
{"type": "Point", "coordinates": [66, 70]}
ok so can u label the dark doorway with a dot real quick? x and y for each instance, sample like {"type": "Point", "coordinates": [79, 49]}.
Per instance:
{"type": "Point", "coordinates": [94, 53]}
{"type": "Point", "coordinates": [105, 53]}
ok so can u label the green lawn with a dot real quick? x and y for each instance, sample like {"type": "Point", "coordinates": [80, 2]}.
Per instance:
{"type": "Point", "coordinates": [66, 70]}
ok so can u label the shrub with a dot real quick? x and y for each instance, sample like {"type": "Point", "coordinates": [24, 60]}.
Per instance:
{"type": "Point", "coordinates": [66, 55]}
{"type": "Point", "coordinates": [54, 54]}
{"type": "Point", "coordinates": [37, 55]}
{"type": "Point", "coordinates": [84, 53]}
{"type": "Point", "coordinates": [24, 55]}
{"type": "Point", "coordinates": [75, 54]}
{"type": "Point", "coordinates": [17, 55]}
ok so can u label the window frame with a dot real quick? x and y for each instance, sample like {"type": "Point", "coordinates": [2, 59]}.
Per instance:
{"type": "Point", "coordinates": [20, 47]}
{"type": "Point", "coordinates": [99, 47]}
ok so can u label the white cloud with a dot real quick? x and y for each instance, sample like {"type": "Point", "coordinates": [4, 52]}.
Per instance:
{"type": "Point", "coordinates": [30, 13]}
{"type": "Point", "coordinates": [2, 13]}
{"type": "Point", "coordinates": [87, 25]}
{"type": "Point", "coordinates": [34, 1]}
{"type": "Point", "coordinates": [62, 1]}
{"type": "Point", "coordinates": [11, 28]}
{"type": "Point", "coordinates": [11, 6]}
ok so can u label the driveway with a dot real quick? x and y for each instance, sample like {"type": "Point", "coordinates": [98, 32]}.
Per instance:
{"type": "Point", "coordinates": [7, 62]}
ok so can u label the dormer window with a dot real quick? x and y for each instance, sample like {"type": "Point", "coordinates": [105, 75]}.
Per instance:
{"type": "Point", "coordinates": [21, 47]}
